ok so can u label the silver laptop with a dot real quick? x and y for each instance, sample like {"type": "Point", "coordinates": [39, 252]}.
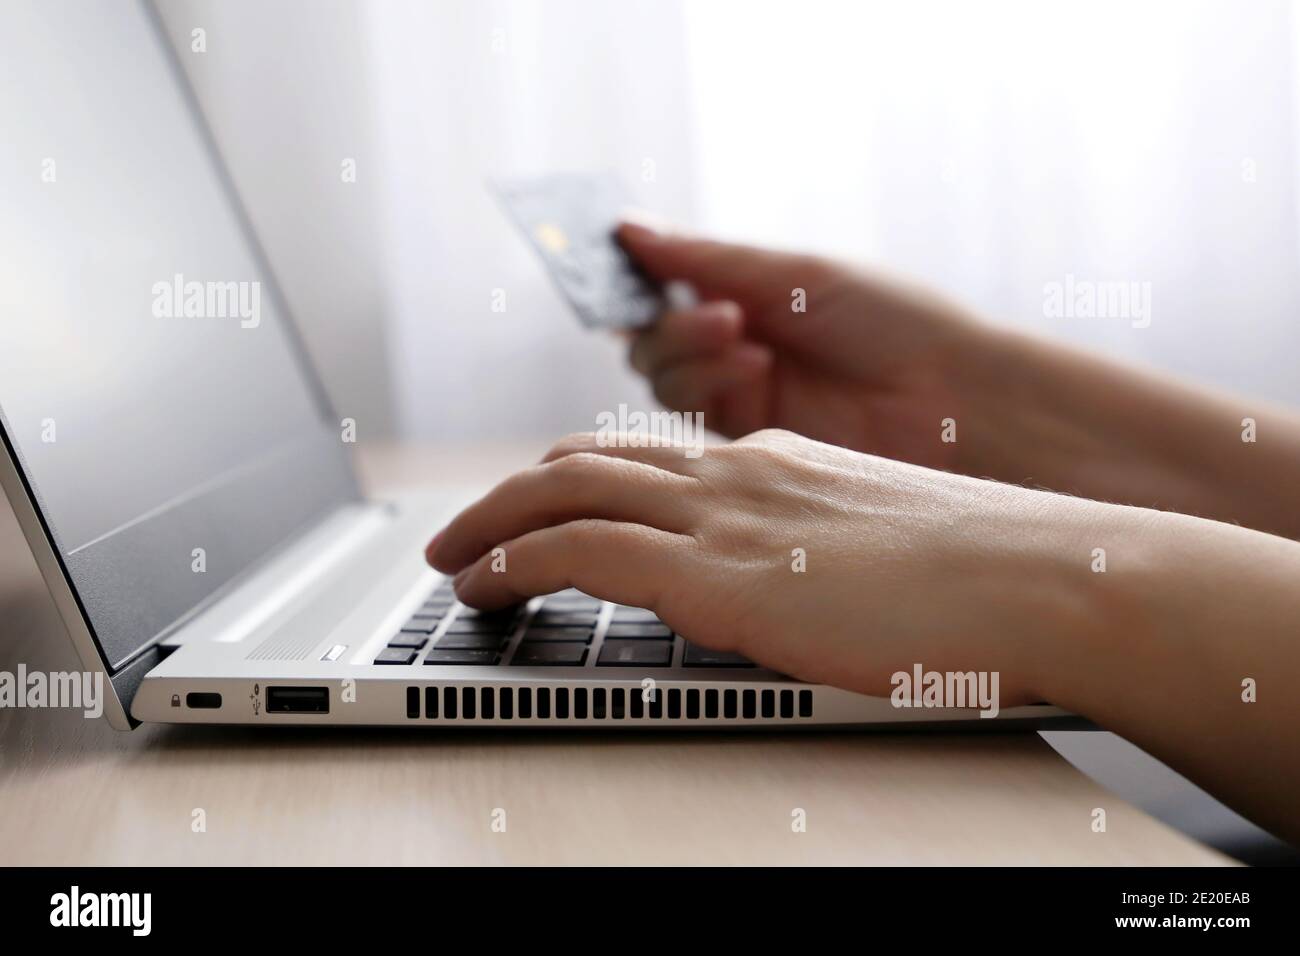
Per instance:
{"type": "Point", "coordinates": [186, 488]}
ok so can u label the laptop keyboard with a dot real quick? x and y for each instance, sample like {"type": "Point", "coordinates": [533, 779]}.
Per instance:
{"type": "Point", "coordinates": [560, 630]}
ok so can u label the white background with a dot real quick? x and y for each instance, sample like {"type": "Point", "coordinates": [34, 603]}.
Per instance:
{"type": "Point", "coordinates": [989, 148]}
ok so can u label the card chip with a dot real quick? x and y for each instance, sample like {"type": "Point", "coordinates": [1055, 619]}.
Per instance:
{"type": "Point", "coordinates": [552, 237]}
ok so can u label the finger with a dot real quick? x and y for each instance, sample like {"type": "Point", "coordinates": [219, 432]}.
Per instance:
{"type": "Point", "coordinates": [658, 451]}
{"type": "Point", "coordinates": [572, 487]}
{"type": "Point", "coordinates": [697, 385]}
{"type": "Point", "coordinates": [618, 561]}
{"type": "Point", "coordinates": [717, 270]}
{"type": "Point", "coordinates": [690, 333]}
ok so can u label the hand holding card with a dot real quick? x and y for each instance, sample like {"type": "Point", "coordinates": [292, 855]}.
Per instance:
{"type": "Point", "coordinates": [570, 219]}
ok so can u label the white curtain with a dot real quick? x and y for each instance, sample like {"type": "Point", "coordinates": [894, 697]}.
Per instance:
{"type": "Point", "coordinates": [995, 147]}
{"type": "Point", "coordinates": [991, 148]}
{"type": "Point", "coordinates": [470, 91]}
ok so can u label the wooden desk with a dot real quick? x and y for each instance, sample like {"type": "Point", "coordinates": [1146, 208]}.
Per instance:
{"type": "Point", "coordinates": [74, 791]}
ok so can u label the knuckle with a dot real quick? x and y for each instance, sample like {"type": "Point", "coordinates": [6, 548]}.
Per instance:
{"type": "Point", "coordinates": [572, 442]}
{"type": "Point", "coordinates": [578, 464]}
{"type": "Point", "coordinates": [518, 483]}
{"type": "Point", "coordinates": [581, 530]}
{"type": "Point", "coordinates": [772, 435]}
{"type": "Point", "coordinates": [751, 454]}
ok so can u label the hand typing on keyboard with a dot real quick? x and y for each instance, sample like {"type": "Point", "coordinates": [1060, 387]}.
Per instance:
{"type": "Point", "coordinates": [829, 564]}
{"type": "Point", "coordinates": [818, 562]}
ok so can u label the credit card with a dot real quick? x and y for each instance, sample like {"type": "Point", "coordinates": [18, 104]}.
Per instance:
{"type": "Point", "coordinates": [569, 219]}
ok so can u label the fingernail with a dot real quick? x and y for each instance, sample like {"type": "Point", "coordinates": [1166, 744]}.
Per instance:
{"type": "Point", "coordinates": [724, 309]}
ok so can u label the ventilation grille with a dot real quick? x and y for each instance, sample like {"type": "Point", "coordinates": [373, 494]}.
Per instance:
{"type": "Point", "coordinates": [286, 646]}
{"type": "Point", "coordinates": [448, 703]}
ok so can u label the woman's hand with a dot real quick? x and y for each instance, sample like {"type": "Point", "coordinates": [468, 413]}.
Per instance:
{"type": "Point", "coordinates": [818, 562]}
{"type": "Point", "coordinates": [806, 344]}
{"type": "Point", "coordinates": [886, 369]}
{"type": "Point", "coordinates": [1178, 633]}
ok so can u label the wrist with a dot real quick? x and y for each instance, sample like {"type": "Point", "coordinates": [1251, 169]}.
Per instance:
{"type": "Point", "coordinates": [1093, 570]}
{"type": "Point", "coordinates": [1050, 416]}
{"type": "Point", "coordinates": [1005, 389]}
{"type": "Point", "coordinates": [1156, 592]}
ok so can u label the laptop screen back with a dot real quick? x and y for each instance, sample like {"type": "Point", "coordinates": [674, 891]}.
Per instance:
{"type": "Point", "coordinates": [150, 383]}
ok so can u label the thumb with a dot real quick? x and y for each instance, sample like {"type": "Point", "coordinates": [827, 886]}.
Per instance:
{"type": "Point", "coordinates": [718, 270]}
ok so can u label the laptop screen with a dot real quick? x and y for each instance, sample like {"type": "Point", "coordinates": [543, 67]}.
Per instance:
{"type": "Point", "coordinates": [150, 383]}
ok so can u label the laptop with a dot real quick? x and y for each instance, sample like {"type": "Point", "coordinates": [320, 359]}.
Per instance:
{"type": "Point", "coordinates": [187, 489]}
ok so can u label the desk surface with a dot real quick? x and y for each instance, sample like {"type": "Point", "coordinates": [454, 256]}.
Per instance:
{"type": "Point", "coordinates": [74, 791]}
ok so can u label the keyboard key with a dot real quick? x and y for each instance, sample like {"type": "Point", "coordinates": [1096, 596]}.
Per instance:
{"type": "Point", "coordinates": [413, 641]}
{"type": "Point", "coordinates": [478, 625]}
{"type": "Point", "coordinates": [551, 654]}
{"type": "Point", "coordinates": [635, 654]}
{"type": "Point", "coordinates": [548, 618]}
{"type": "Point", "coordinates": [421, 625]}
{"type": "Point", "coordinates": [540, 634]}
{"type": "Point", "coordinates": [550, 610]}
{"type": "Point", "coordinates": [473, 613]}
{"type": "Point", "coordinates": [646, 630]}
{"type": "Point", "coordinates": [697, 656]}
{"type": "Point", "coordinates": [571, 601]}
{"type": "Point", "coordinates": [451, 641]}
{"type": "Point", "coordinates": [395, 655]}
{"type": "Point", "coordinates": [440, 656]}
{"type": "Point", "coordinates": [634, 615]}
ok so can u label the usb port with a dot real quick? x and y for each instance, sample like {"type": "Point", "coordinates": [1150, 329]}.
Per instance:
{"type": "Point", "coordinates": [297, 700]}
